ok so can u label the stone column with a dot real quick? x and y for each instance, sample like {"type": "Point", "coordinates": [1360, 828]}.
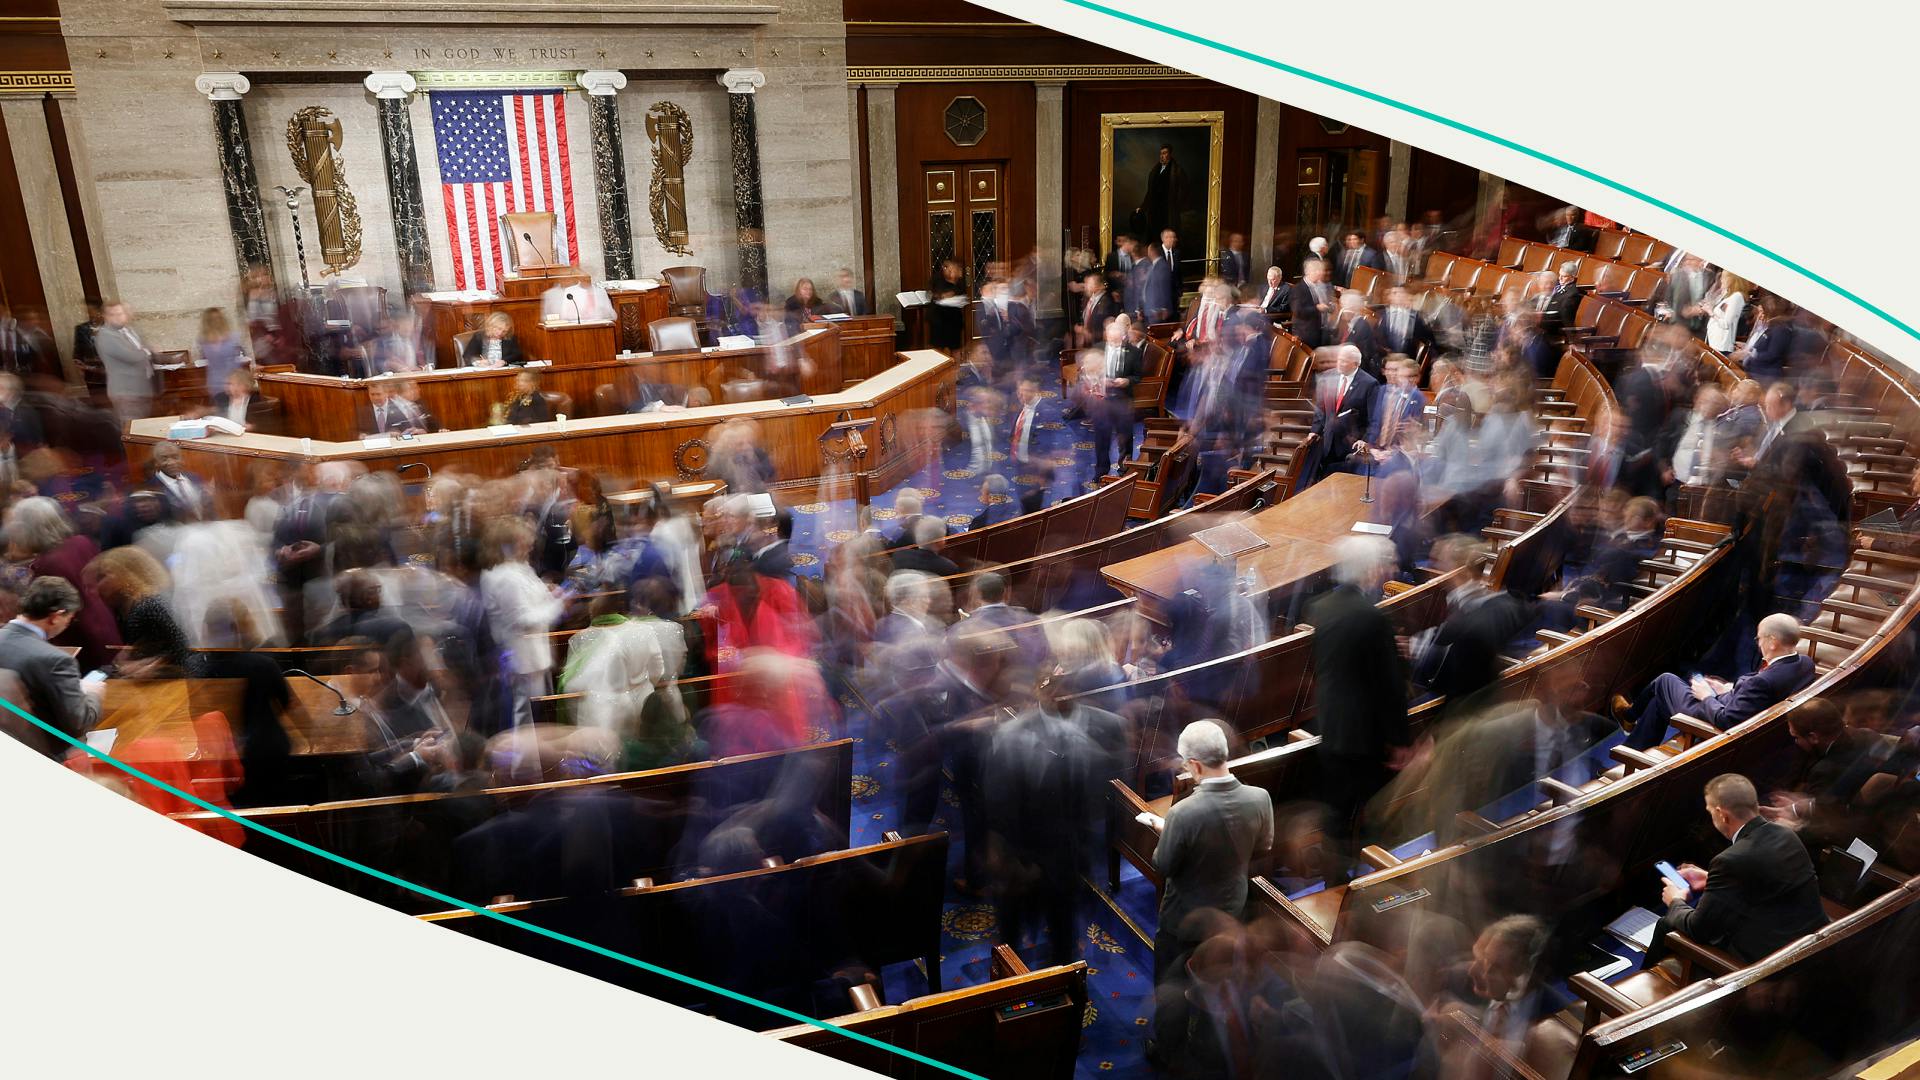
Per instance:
{"type": "Point", "coordinates": [1399, 175]}
{"type": "Point", "coordinates": [244, 216]}
{"type": "Point", "coordinates": [1492, 200]}
{"type": "Point", "coordinates": [749, 215]}
{"type": "Point", "coordinates": [1266, 189]}
{"type": "Point", "coordinates": [1050, 149]}
{"type": "Point", "coordinates": [391, 91]}
{"type": "Point", "coordinates": [610, 171]}
{"type": "Point", "coordinates": [883, 165]}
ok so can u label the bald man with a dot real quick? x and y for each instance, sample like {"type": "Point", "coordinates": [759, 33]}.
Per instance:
{"type": "Point", "coordinates": [1784, 671]}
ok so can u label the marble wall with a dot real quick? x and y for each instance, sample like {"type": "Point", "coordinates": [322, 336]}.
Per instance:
{"type": "Point", "coordinates": [165, 243]}
{"type": "Point", "coordinates": [51, 236]}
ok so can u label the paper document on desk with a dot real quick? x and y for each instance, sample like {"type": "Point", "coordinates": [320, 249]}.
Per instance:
{"type": "Point", "coordinates": [1635, 927]}
{"type": "Point", "coordinates": [1373, 528]}
{"type": "Point", "coordinates": [910, 299]}
{"type": "Point", "coordinates": [736, 341]}
{"type": "Point", "coordinates": [101, 739]}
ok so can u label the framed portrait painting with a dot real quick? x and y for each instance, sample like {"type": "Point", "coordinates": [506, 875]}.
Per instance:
{"type": "Point", "coordinates": [1160, 171]}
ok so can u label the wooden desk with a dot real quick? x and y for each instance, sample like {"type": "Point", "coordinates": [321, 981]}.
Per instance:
{"type": "Point", "coordinates": [139, 708]}
{"type": "Point", "coordinates": [1300, 534]}
{"type": "Point", "coordinates": [565, 344]}
{"type": "Point", "coordinates": [657, 445]}
{"type": "Point", "coordinates": [633, 309]}
{"type": "Point", "coordinates": [328, 407]}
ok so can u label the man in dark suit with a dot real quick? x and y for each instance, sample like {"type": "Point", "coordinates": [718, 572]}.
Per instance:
{"type": "Point", "coordinates": [1756, 896]}
{"type": "Point", "coordinates": [1208, 842]}
{"type": "Point", "coordinates": [846, 299]}
{"type": "Point", "coordinates": [920, 556]}
{"type": "Point", "coordinates": [1342, 408]}
{"type": "Point", "coordinates": [1151, 291]}
{"type": "Point", "coordinates": [1360, 683]}
{"type": "Point", "coordinates": [774, 557]}
{"type": "Point", "coordinates": [1354, 253]}
{"type": "Point", "coordinates": [84, 351]}
{"type": "Point", "coordinates": [1562, 306]}
{"type": "Point", "coordinates": [385, 413]}
{"type": "Point", "coordinates": [1234, 266]}
{"type": "Point", "coordinates": [1570, 231]}
{"type": "Point", "coordinates": [1274, 298]}
{"type": "Point", "coordinates": [1502, 985]}
{"type": "Point", "coordinates": [1783, 423]}
{"type": "Point", "coordinates": [996, 503]}
{"type": "Point", "coordinates": [1005, 326]}
{"type": "Point", "coordinates": [1113, 416]}
{"type": "Point", "coordinates": [1312, 305]}
{"type": "Point", "coordinates": [926, 720]}
{"type": "Point", "coordinates": [50, 678]}
{"type": "Point", "coordinates": [1357, 330]}
{"type": "Point", "coordinates": [188, 497]}
{"type": "Point", "coordinates": [1783, 672]}
{"type": "Point", "coordinates": [1098, 309]}
{"type": "Point", "coordinates": [1402, 329]}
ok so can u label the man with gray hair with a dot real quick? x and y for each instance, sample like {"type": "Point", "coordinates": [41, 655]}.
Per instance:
{"type": "Point", "coordinates": [49, 678]}
{"type": "Point", "coordinates": [1784, 671]}
{"type": "Point", "coordinates": [996, 503]}
{"type": "Point", "coordinates": [1360, 683]}
{"type": "Point", "coordinates": [1208, 842]}
{"type": "Point", "coordinates": [1342, 410]}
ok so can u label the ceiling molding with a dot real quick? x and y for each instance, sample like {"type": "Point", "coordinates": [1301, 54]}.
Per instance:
{"type": "Point", "coordinates": [36, 82]}
{"type": "Point", "coordinates": [1015, 73]}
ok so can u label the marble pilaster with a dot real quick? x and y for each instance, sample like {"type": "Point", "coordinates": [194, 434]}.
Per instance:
{"type": "Point", "coordinates": [883, 151]}
{"type": "Point", "coordinates": [749, 211]}
{"type": "Point", "coordinates": [610, 171]}
{"type": "Point", "coordinates": [392, 92]}
{"type": "Point", "coordinates": [1399, 174]}
{"type": "Point", "coordinates": [1050, 150]}
{"type": "Point", "coordinates": [1266, 188]}
{"type": "Point", "coordinates": [244, 215]}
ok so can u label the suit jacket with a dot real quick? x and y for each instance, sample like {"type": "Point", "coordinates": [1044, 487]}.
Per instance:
{"type": "Point", "coordinates": [1408, 342]}
{"type": "Point", "coordinates": [857, 307]}
{"type": "Point", "coordinates": [1233, 267]}
{"type": "Point", "coordinates": [1005, 335]}
{"type": "Point", "coordinates": [1205, 851]}
{"type": "Point", "coordinates": [83, 343]}
{"type": "Point", "coordinates": [1340, 423]}
{"type": "Point", "coordinates": [993, 515]}
{"type": "Point", "coordinates": [529, 409]}
{"type": "Point", "coordinates": [1307, 324]}
{"type": "Point", "coordinates": [1360, 334]}
{"type": "Point", "coordinates": [52, 682]}
{"type": "Point", "coordinates": [1360, 684]}
{"type": "Point", "coordinates": [1562, 308]}
{"type": "Point", "coordinates": [1095, 321]}
{"type": "Point", "coordinates": [1413, 407]}
{"type": "Point", "coordinates": [1761, 894]}
{"type": "Point", "coordinates": [1280, 301]}
{"type": "Point", "coordinates": [129, 367]}
{"type": "Point", "coordinates": [510, 353]}
{"type": "Point", "coordinates": [1343, 274]}
{"type": "Point", "coordinates": [1756, 692]}
{"type": "Point", "coordinates": [1466, 651]}
{"type": "Point", "coordinates": [1157, 290]}
{"type": "Point", "coordinates": [776, 561]}
{"type": "Point", "coordinates": [195, 505]}
{"type": "Point", "coordinates": [399, 418]}
{"type": "Point", "coordinates": [927, 562]}
{"type": "Point", "coordinates": [1131, 366]}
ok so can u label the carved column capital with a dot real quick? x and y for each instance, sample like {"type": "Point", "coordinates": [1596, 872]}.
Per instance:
{"type": "Point", "coordinates": [222, 85]}
{"type": "Point", "coordinates": [602, 83]}
{"type": "Point", "coordinates": [390, 85]}
{"type": "Point", "coordinates": [743, 80]}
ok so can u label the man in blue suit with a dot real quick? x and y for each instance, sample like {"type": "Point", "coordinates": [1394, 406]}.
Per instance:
{"type": "Point", "coordinates": [1783, 672]}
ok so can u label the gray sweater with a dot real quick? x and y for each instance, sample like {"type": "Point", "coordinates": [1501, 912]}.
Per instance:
{"type": "Point", "coordinates": [1204, 853]}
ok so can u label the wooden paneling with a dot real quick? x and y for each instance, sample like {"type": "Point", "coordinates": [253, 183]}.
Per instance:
{"type": "Point", "coordinates": [922, 141]}
{"type": "Point", "coordinates": [1440, 183]}
{"type": "Point", "coordinates": [889, 33]}
{"type": "Point", "coordinates": [1307, 133]}
{"type": "Point", "coordinates": [656, 445]}
{"type": "Point", "coordinates": [1087, 101]}
{"type": "Point", "coordinates": [633, 311]}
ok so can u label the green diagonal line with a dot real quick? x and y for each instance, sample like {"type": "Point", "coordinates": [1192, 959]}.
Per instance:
{"type": "Point", "coordinates": [477, 910]}
{"type": "Point", "coordinates": [1537, 155]}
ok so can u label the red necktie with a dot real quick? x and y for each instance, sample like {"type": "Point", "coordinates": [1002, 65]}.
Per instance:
{"type": "Point", "coordinates": [1019, 432]}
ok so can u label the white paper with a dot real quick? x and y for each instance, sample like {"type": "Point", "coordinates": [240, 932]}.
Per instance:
{"type": "Point", "coordinates": [736, 341]}
{"type": "Point", "coordinates": [502, 429]}
{"type": "Point", "coordinates": [1635, 927]}
{"type": "Point", "coordinates": [910, 299]}
{"type": "Point", "coordinates": [1859, 850]}
{"type": "Point", "coordinates": [954, 301]}
{"type": "Point", "coordinates": [101, 739]}
{"type": "Point", "coordinates": [378, 442]}
{"type": "Point", "coordinates": [1373, 528]}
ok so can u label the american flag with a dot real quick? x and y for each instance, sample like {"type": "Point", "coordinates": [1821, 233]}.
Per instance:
{"type": "Point", "coordinates": [501, 153]}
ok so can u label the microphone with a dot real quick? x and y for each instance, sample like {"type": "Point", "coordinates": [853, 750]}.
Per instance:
{"type": "Point", "coordinates": [528, 237]}
{"type": "Point", "coordinates": [1366, 496]}
{"type": "Point", "coordinates": [576, 307]}
{"type": "Point", "coordinates": [344, 709]}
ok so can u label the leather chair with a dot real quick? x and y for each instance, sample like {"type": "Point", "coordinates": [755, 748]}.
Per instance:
{"type": "Point", "coordinates": [606, 402]}
{"type": "Point", "coordinates": [677, 334]}
{"type": "Point", "coordinates": [687, 291]}
{"type": "Point", "coordinates": [460, 347]}
{"type": "Point", "coordinates": [558, 403]}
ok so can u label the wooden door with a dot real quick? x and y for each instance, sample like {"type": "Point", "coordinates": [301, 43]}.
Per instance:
{"type": "Point", "coordinates": [965, 217]}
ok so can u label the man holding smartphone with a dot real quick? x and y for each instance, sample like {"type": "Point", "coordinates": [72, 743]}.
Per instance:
{"type": "Point", "coordinates": [1757, 895]}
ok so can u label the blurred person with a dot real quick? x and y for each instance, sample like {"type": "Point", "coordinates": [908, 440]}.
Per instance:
{"type": "Point", "coordinates": [1690, 284]}
{"type": "Point", "coordinates": [1342, 408]}
{"type": "Point", "coordinates": [1833, 761]}
{"type": "Point", "coordinates": [739, 458]}
{"type": "Point", "coordinates": [396, 346]}
{"type": "Point", "coordinates": [1561, 309]}
{"type": "Point", "coordinates": [38, 533]}
{"type": "Point", "coordinates": [240, 402]}
{"type": "Point", "coordinates": [128, 363]}
{"type": "Point", "coordinates": [1083, 660]}
{"type": "Point", "coordinates": [1757, 895]}
{"type": "Point", "coordinates": [1567, 229]}
{"type": "Point", "coordinates": [997, 503]}
{"type": "Point", "coordinates": [1355, 252]}
{"type": "Point", "coordinates": [528, 405]}
{"type": "Point", "coordinates": [1208, 843]}
{"type": "Point", "coordinates": [385, 413]}
{"type": "Point", "coordinates": [935, 720]}
{"type": "Point", "coordinates": [1463, 654]}
{"type": "Point", "coordinates": [803, 305]}
{"type": "Point", "coordinates": [1367, 1021]}
{"type": "Point", "coordinates": [1038, 783]}
{"type": "Point", "coordinates": [946, 296]}
{"type": "Point", "coordinates": [767, 706]}
{"type": "Point", "coordinates": [222, 588]}
{"type": "Point", "coordinates": [920, 555]}
{"type": "Point", "coordinates": [982, 412]}
{"type": "Point", "coordinates": [1403, 329]}
{"type": "Point", "coordinates": [49, 679]}
{"type": "Point", "coordinates": [520, 610]}
{"type": "Point", "coordinates": [1120, 366]}
{"type": "Point", "coordinates": [1360, 684]}
{"type": "Point", "coordinates": [1357, 330]}
{"type": "Point", "coordinates": [845, 298]}
{"type": "Point", "coordinates": [1723, 318]}
{"type": "Point", "coordinates": [133, 585]}
{"type": "Point", "coordinates": [1783, 672]}
{"type": "Point", "coordinates": [1021, 452]}
{"type": "Point", "coordinates": [1234, 263]}
{"type": "Point", "coordinates": [1151, 288]}
{"type": "Point", "coordinates": [300, 535]}
{"type": "Point", "coordinates": [1176, 260]}
{"type": "Point", "coordinates": [1504, 984]}
{"type": "Point", "coordinates": [362, 612]}
{"type": "Point", "coordinates": [496, 345]}
{"type": "Point", "coordinates": [1098, 307]}
{"type": "Point", "coordinates": [1696, 453]}
{"type": "Point", "coordinates": [220, 349]}
{"type": "Point", "coordinates": [1274, 297]}
{"type": "Point", "coordinates": [1312, 305]}
{"type": "Point", "coordinates": [772, 552]}
{"type": "Point", "coordinates": [616, 664]}
{"type": "Point", "coordinates": [1006, 327]}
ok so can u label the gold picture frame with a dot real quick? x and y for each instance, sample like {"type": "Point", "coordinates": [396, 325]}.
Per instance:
{"type": "Point", "coordinates": [1119, 126]}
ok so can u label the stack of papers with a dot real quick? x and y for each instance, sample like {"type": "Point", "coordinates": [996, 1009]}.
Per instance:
{"type": "Point", "coordinates": [630, 285]}
{"type": "Point", "coordinates": [736, 341]}
{"type": "Point", "coordinates": [460, 296]}
{"type": "Point", "coordinates": [1635, 927]}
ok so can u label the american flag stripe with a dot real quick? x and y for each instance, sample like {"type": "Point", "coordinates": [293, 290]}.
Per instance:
{"type": "Point", "coordinates": [501, 153]}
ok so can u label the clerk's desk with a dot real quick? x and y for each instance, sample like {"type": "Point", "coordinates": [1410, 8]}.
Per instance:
{"type": "Point", "coordinates": [635, 305]}
{"type": "Point", "coordinates": [839, 352]}
{"type": "Point", "coordinates": [669, 445]}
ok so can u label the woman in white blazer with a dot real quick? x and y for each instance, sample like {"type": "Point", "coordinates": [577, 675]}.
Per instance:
{"type": "Point", "coordinates": [1723, 321]}
{"type": "Point", "coordinates": [521, 610]}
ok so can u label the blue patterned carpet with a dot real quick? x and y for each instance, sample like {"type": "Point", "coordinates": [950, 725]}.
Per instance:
{"type": "Point", "coordinates": [1119, 958]}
